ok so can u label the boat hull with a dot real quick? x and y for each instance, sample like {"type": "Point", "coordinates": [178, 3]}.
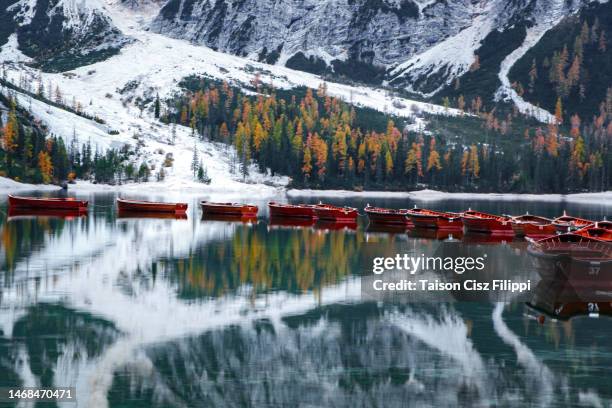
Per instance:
{"type": "Point", "coordinates": [337, 214]}
{"type": "Point", "coordinates": [48, 203]}
{"type": "Point", "coordinates": [146, 206]}
{"type": "Point", "coordinates": [388, 217]}
{"type": "Point", "coordinates": [241, 210]}
{"type": "Point", "coordinates": [573, 256]}
{"type": "Point", "coordinates": [475, 221]}
{"type": "Point", "coordinates": [531, 230]}
{"type": "Point", "coordinates": [436, 222]}
{"type": "Point", "coordinates": [568, 223]}
{"type": "Point", "coordinates": [291, 211]}
{"type": "Point", "coordinates": [488, 225]}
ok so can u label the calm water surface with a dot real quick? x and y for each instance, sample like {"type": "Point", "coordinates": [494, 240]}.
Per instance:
{"type": "Point", "coordinates": [177, 313]}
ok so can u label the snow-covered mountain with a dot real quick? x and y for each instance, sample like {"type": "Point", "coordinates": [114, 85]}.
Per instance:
{"type": "Point", "coordinates": [417, 45]}
{"type": "Point", "coordinates": [60, 34]}
{"type": "Point", "coordinates": [400, 41]}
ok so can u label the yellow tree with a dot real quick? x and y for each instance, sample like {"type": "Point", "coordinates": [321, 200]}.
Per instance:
{"type": "Point", "coordinates": [577, 160]}
{"type": "Point", "coordinates": [339, 147]}
{"type": "Point", "coordinates": [433, 161]}
{"type": "Point", "coordinates": [319, 147]}
{"type": "Point", "coordinates": [559, 111]}
{"type": "Point", "coordinates": [465, 158]}
{"type": "Point", "coordinates": [259, 135]}
{"type": "Point", "coordinates": [474, 163]}
{"type": "Point", "coordinates": [45, 166]}
{"type": "Point", "coordinates": [307, 163]}
{"type": "Point", "coordinates": [413, 160]}
{"type": "Point", "coordinates": [11, 130]}
{"type": "Point", "coordinates": [388, 162]}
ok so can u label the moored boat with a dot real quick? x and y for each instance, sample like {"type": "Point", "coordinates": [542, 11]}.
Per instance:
{"type": "Point", "coordinates": [567, 223]}
{"type": "Point", "coordinates": [603, 233]}
{"type": "Point", "coordinates": [424, 218]}
{"type": "Point", "coordinates": [477, 221]}
{"type": "Point", "coordinates": [68, 203]}
{"type": "Point", "coordinates": [243, 210]}
{"type": "Point", "coordinates": [150, 206]}
{"type": "Point", "coordinates": [329, 212]}
{"type": "Point", "coordinates": [387, 216]}
{"type": "Point", "coordinates": [533, 226]}
{"type": "Point", "coordinates": [572, 255]}
{"type": "Point", "coordinates": [291, 210]}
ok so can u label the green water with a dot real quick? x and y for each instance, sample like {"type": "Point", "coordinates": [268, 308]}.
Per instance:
{"type": "Point", "coordinates": [197, 313]}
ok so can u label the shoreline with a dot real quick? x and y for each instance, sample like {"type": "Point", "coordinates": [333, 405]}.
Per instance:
{"type": "Point", "coordinates": [434, 195]}
{"type": "Point", "coordinates": [190, 188]}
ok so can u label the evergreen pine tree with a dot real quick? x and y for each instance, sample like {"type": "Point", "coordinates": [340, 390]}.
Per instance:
{"type": "Point", "coordinates": [157, 106]}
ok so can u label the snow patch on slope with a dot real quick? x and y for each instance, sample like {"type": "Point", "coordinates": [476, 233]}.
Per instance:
{"type": "Point", "coordinates": [450, 58]}
{"type": "Point", "coordinates": [555, 12]}
{"type": "Point", "coordinates": [10, 51]}
{"type": "Point", "coordinates": [154, 64]}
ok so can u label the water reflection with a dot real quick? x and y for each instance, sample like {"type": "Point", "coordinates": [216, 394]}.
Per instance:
{"type": "Point", "coordinates": [165, 312]}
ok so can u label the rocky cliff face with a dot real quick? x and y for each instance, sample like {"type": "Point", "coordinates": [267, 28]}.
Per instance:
{"type": "Point", "coordinates": [371, 40]}
{"type": "Point", "coordinates": [60, 34]}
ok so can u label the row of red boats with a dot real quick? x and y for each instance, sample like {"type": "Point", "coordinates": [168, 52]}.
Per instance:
{"type": "Point", "coordinates": [527, 225]}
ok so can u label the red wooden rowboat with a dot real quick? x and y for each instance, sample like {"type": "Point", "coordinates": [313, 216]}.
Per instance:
{"type": "Point", "coordinates": [532, 226]}
{"type": "Point", "coordinates": [151, 206]}
{"type": "Point", "coordinates": [68, 203]}
{"type": "Point", "coordinates": [567, 223]}
{"type": "Point", "coordinates": [243, 210]}
{"type": "Point", "coordinates": [333, 213]}
{"type": "Point", "coordinates": [291, 210]}
{"type": "Point", "coordinates": [387, 216]}
{"type": "Point", "coordinates": [477, 221]}
{"type": "Point", "coordinates": [596, 231]}
{"type": "Point", "coordinates": [423, 218]}
{"type": "Point", "coordinates": [575, 256]}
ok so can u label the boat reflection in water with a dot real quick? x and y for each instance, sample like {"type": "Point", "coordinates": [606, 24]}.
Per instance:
{"type": "Point", "coordinates": [147, 214]}
{"type": "Point", "coordinates": [472, 237]}
{"type": "Point", "coordinates": [440, 234]}
{"type": "Point", "coordinates": [172, 314]}
{"type": "Point", "coordinates": [330, 225]}
{"type": "Point", "coordinates": [387, 228]}
{"type": "Point", "coordinates": [291, 222]}
{"type": "Point", "coordinates": [246, 219]}
{"type": "Point", "coordinates": [15, 213]}
{"type": "Point", "coordinates": [563, 299]}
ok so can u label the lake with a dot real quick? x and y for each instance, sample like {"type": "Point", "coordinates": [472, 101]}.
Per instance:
{"type": "Point", "coordinates": [146, 312]}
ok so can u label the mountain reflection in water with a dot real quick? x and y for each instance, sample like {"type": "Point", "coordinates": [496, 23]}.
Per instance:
{"type": "Point", "coordinates": [163, 312]}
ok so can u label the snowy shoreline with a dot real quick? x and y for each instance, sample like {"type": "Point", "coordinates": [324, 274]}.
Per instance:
{"type": "Point", "coordinates": [261, 190]}
{"type": "Point", "coordinates": [434, 195]}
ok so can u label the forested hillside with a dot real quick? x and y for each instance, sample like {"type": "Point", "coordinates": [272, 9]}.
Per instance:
{"type": "Point", "coordinates": [29, 154]}
{"type": "Point", "coordinates": [323, 142]}
{"type": "Point", "coordinates": [570, 69]}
